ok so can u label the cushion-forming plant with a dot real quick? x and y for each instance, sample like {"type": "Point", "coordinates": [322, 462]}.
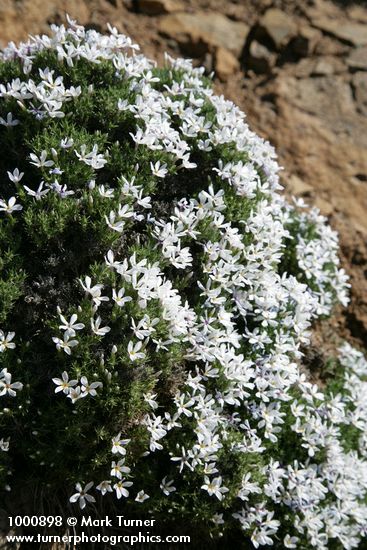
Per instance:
{"type": "Point", "coordinates": [156, 291]}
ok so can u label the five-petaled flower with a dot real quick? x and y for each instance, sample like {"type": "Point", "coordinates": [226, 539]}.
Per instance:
{"type": "Point", "coordinates": [10, 206]}
{"type": "Point", "coordinates": [7, 387]}
{"type": "Point", "coordinates": [134, 351]}
{"type": "Point", "coordinates": [6, 341]}
{"type": "Point", "coordinates": [64, 384]}
{"type": "Point", "coordinates": [82, 495]}
{"type": "Point", "coordinates": [66, 344]}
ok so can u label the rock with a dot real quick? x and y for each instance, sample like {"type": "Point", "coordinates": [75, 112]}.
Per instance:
{"type": "Point", "coordinates": [304, 67]}
{"type": "Point", "coordinates": [327, 97]}
{"type": "Point", "coordinates": [359, 83]}
{"type": "Point", "coordinates": [326, 207]}
{"type": "Point", "coordinates": [204, 31]}
{"type": "Point", "coordinates": [275, 29]}
{"type": "Point", "coordinates": [321, 136]}
{"type": "Point", "coordinates": [259, 58]}
{"type": "Point", "coordinates": [296, 186]}
{"type": "Point", "coordinates": [358, 179]}
{"type": "Point", "coordinates": [319, 66]}
{"type": "Point", "coordinates": [350, 32]}
{"type": "Point", "coordinates": [303, 45]}
{"type": "Point", "coordinates": [158, 7]}
{"type": "Point", "coordinates": [21, 18]}
{"type": "Point", "coordinates": [225, 63]}
{"type": "Point", "coordinates": [208, 63]}
{"type": "Point", "coordinates": [330, 46]}
{"type": "Point", "coordinates": [358, 59]}
{"type": "Point", "coordinates": [358, 13]}
{"type": "Point", "coordinates": [320, 8]}
{"type": "Point", "coordinates": [327, 66]}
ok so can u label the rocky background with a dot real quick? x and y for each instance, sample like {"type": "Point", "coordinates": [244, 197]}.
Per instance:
{"type": "Point", "coordinates": [297, 68]}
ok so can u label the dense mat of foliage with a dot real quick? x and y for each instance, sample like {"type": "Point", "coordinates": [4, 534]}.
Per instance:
{"type": "Point", "coordinates": [155, 290]}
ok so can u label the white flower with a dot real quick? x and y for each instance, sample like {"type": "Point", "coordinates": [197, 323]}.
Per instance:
{"type": "Point", "coordinates": [82, 496]}
{"type": "Point", "coordinates": [105, 192]}
{"type": "Point", "coordinates": [95, 291]}
{"type": "Point", "coordinates": [123, 105]}
{"type": "Point", "coordinates": [41, 161]}
{"type": "Point", "coordinates": [119, 468]}
{"type": "Point", "coordinates": [184, 459]}
{"type": "Point", "coordinates": [61, 190]}
{"type": "Point", "coordinates": [74, 394]}
{"type": "Point", "coordinates": [9, 121]}
{"type": "Point", "coordinates": [119, 297]}
{"type": "Point", "coordinates": [39, 193]}
{"type": "Point", "coordinates": [87, 388]}
{"type": "Point", "coordinates": [167, 486]}
{"type": "Point", "coordinates": [70, 326]}
{"type": "Point", "coordinates": [66, 344]}
{"type": "Point", "coordinates": [214, 487]}
{"type": "Point", "coordinates": [290, 542]}
{"type": "Point", "coordinates": [93, 158]}
{"type": "Point", "coordinates": [4, 445]}
{"type": "Point", "coordinates": [66, 143]}
{"type": "Point", "coordinates": [248, 487]}
{"type": "Point", "coordinates": [105, 487]}
{"type": "Point", "coordinates": [64, 384]}
{"type": "Point", "coordinates": [150, 399]}
{"type": "Point", "coordinates": [121, 488]}
{"type": "Point", "coordinates": [144, 202]}
{"type": "Point", "coordinates": [134, 351]}
{"type": "Point", "coordinates": [141, 496]}
{"type": "Point", "coordinates": [10, 206]}
{"type": "Point", "coordinates": [6, 385]}
{"type": "Point", "coordinates": [159, 170]}
{"type": "Point", "coordinates": [114, 222]}
{"type": "Point", "coordinates": [183, 404]}
{"type": "Point", "coordinates": [16, 176]}
{"type": "Point", "coordinates": [218, 519]}
{"type": "Point", "coordinates": [118, 445]}
{"type": "Point", "coordinates": [125, 211]}
{"type": "Point", "coordinates": [111, 262]}
{"type": "Point", "coordinates": [97, 329]}
{"type": "Point", "coordinates": [6, 341]}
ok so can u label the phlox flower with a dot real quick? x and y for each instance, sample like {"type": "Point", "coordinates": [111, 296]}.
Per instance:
{"type": "Point", "coordinates": [64, 384]}
{"type": "Point", "coordinates": [167, 486]}
{"type": "Point", "coordinates": [10, 206]}
{"type": "Point", "coordinates": [96, 327]}
{"type": "Point", "coordinates": [141, 496]}
{"type": "Point", "coordinates": [66, 344]}
{"type": "Point", "coordinates": [82, 495]}
{"type": "Point", "coordinates": [9, 121]}
{"type": "Point", "coordinates": [6, 341]}
{"type": "Point", "coordinates": [105, 487]}
{"type": "Point", "coordinates": [158, 170]}
{"type": "Point", "coordinates": [118, 445]}
{"type": "Point", "coordinates": [214, 487]}
{"type": "Point", "coordinates": [134, 351]}
{"type": "Point", "coordinates": [121, 488]}
{"type": "Point", "coordinates": [120, 298]}
{"type": "Point", "coordinates": [89, 388]}
{"type": "Point", "coordinates": [7, 387]}
{"type": "Point", "coordinates": [15, 176]}
{"type": "Point", "coordinates": [94, 291]}
{"type": "Point", "coordinates": [70, 326]}
{"type": "Point", "coordinates": [119, 468]}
